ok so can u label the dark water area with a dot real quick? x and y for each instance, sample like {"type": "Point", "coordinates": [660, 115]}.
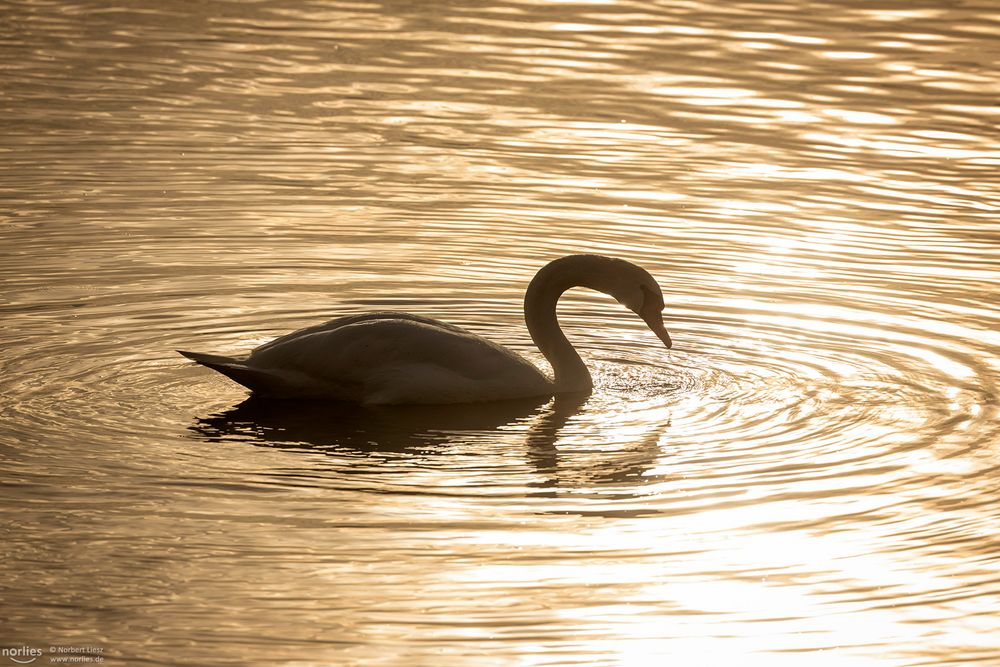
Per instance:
{"type": "Point", "coordinates": [810, 475]}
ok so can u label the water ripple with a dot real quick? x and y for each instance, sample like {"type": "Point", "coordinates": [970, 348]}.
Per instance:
{"type": "Point", "coordinates": [809, 470]}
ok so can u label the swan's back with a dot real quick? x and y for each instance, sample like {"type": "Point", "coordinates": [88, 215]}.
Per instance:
{"type": "Point", "coordinates": [357, 319]}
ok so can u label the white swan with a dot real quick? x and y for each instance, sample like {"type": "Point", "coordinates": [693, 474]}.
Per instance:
{"type": "Point", "coordinates": [397, 358]}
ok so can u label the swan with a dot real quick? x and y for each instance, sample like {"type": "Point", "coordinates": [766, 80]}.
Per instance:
{"type": "Point", "coordinates": [386, 358]}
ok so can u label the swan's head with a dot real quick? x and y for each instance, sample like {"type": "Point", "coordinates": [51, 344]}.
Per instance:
{"type": "Point", "coordinates": [651, 312]}
{"type": "Point", "coordinates": [638, 291]}
{"type": "Point", "coordinates": [630, 285]}
{"type": "Point", "coordinates": [646, 300]}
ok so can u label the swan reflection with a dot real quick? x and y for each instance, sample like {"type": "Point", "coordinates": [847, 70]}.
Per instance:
{"type": "Point", "coordinates": [336, 426]}
{"type": "Point", "coordinates": [560, 452]}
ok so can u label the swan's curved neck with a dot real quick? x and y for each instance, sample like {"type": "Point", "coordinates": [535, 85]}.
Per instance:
{"type": "Point", "coordinates": [570, 374]}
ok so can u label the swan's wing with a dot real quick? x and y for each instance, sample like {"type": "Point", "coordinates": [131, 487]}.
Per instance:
{"type": "Point", "coordinates": [403, 360]}
{"type": "Point", "coordinates": [356, 319]}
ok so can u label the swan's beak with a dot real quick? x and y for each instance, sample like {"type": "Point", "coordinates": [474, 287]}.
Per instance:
{"type": "Point", "coordinates": [654, 320]}
{"type": "Point", "coordinates": [661, 332]}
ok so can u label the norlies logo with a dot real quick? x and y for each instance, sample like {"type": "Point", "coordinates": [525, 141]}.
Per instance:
{"type": "Point", "coordinates": [22, 655]}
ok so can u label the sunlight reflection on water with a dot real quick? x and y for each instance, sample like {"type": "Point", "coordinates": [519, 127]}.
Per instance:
{"type": "Point", "coordinates": [810, 470]}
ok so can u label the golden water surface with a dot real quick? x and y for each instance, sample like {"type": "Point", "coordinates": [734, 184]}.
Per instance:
{"type": "Point", "coordinates": [810, 477]}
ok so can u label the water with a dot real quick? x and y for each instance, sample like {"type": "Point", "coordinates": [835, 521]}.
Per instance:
{"type": "Point", "coordinates": [811, 474]}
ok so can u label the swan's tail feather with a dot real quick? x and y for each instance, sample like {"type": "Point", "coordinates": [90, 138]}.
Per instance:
{"type": "Point", "coordinates": [208, 359]}
{"type": "Point", "coordinates": [254, 379]}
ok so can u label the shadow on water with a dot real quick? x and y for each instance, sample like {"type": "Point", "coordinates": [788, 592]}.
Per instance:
{"type": "Point", "coordinates": [561, 457]}
{"type": "Point", "coordinates": [332, 426]}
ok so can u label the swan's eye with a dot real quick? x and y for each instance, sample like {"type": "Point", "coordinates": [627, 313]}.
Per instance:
{"type": "Point", "coordinates": [651, 301]}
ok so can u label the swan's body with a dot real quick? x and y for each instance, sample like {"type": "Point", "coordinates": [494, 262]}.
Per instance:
{"type": "Point", "coordinates": [398, 358]}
